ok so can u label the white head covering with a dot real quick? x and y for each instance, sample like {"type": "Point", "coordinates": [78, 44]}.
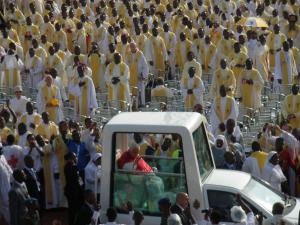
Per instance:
{"type": "Point", "coordinates": [273, 173]}
{"type": "Point", "coordinates": [97, 156]}
{"type": "Point", "coordinates": [225, 145]}
{"type": "Point", "coordinates": [238, 215]}
{"type": "Point", "coordinates": [174, 219]}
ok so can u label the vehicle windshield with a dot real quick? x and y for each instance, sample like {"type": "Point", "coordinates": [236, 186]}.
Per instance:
{"type": "Point", "coordinates": [263, 195]}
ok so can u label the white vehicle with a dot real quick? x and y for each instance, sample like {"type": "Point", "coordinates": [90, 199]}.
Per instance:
{"type": "Point", "coordinates": [189, 169]}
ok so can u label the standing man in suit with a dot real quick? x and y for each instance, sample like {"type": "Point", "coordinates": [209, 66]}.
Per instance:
{"type": "Point", "coordinates": [18, 195]}
{"type": "Point", "coordinates": [88, 211]}
{"type": "Point", "coordinates": [181, 208]}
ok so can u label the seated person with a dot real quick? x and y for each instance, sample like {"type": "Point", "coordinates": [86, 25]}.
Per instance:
{"type": "Point", "coordinates": [160, 92]}
{"type": "Point", "coordinates": [131, 160]}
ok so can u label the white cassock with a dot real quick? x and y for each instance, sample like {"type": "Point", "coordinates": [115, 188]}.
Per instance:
{"type": "Point", "coordinates": [124, 80]}
{"type": "Point", "coordinates": [215, 120]}
{"type": "Point", "coordinates": [5, 181]}
{"type": "Point", "coordinates": [197, 92]}
{"type": "Point", "coordinates": [142, 73]}
{"type": "Point", "coordinates": [41, 103]}
{"type": "Point", "coordinates": [291, 67]}
{"type": "Point", "coordinates": [250, 166]}
{"type": "Point", "coordinates": [19, 105]}
{"type": "Point", "coordinates": [152, 51]}
{"type": "Point", "coordinates": [92, 174]}
{"type": "Point", "coordinates": [14, 156]}
{"type": "Point", "coordinates": [10, 68]}
{"type": "Point", "coordinates": [87, 90]}
{"type": "Point", "coordinates": [35, 67]}
{"type": "Point", "coordinates": [58, 83]}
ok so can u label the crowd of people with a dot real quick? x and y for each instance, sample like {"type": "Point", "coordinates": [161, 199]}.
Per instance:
{"type": "Point", "coordinates": [58, 53]}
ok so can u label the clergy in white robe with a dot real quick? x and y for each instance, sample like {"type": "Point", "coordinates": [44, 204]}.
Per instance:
{"type": "Point", "coordinates": [5, 181]}
{"type": "Point", "coordinates": [82, 87]}
{"type": "Point", "coordinates": [261, 62]}
{"type": "Point", "coordinates": [158, 53]}
{"type": "Point", "coordinates": [30, 118]}
{"type": "Point", "coordinates": [249, 86]}
{"type": "Point", "coordinates": [57, 81]}
{"type": "Point", "coordinates": [117, 76]}
{"type": "Point", "coordinates": [223, 108]}
{"type": "Point", "coordinates": [272, 172]}
{"type": "Point", "coordinates": [11, 67]}
{"type": "Point", "coordinates": [138, 69]}
{"type": "Point", "coordinates": [49, 99]}
{"type": "Point", "coordinates": [192, 88]}
{"type": "Point", "coordinates": [285, 69]}
{"type": "Point", "coordinates": [34, 67]}
{"type": "Point", "coordinates": [18, 103]}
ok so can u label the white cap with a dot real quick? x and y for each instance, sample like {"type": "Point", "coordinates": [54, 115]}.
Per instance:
{"type": "Point", "coordinates": [97, 156]}
{"type": "Point", "coordinates": [18, 88]}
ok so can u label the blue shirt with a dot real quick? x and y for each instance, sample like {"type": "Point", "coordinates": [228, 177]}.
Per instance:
{"type": "Point", "coordinates": [81, 153]}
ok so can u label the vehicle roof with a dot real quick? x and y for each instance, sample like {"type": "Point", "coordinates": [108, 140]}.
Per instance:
{"type": "Point", "coordinates": [228, 178]}
{"type": "Point", "coordinates": [186, 120]}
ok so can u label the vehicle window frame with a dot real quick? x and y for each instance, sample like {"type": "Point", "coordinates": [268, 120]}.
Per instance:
{"type": "Point", "coordinates": [114, 170]}
{"type": "Point", "coordinates": [204, 133]}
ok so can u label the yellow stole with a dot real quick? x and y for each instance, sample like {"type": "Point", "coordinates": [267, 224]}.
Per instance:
{"type": "Point", "coordinates": [4, 133]}
{"type": "Point", "coordinates": [206, 58]}
{"type": "Point", "coordinates": [60, 150]}
{"type": "Point", "coordinates": [157, 44]}
{"type": "Point", "coordinates": [133, 62]}
{"type": "Point", "coordinates": [284, 69]}
{"type": "Point", "coordinates": [222, 117]}
{"type": "Point", "coordinates": [121, 96]}
{"type": "Point", "coordinates": [48, 173]}
{"type": "Point", "coordinates": [247, 89]}
{"type": "Point", "coordinates": [190, 99]}
{"type": "Point", "coordinates": [16, 77]}
{"type": "Point", "coordinates": [48, 98]}
{"type": "Point", "coordinates": [293, 106]}
{"type": "Point", "coordinates": [180, 59]}
{"type": "Point", "coordinates": [261, 158]}
{"type": "Point", "coordinates": [36, 119]}
{"type": "Point", "coordinates": [271, 45]}
{"type": "Point", "coordinates": [95, 66]}
{"type": "Point", "coordinates": [84, 98]}
{"type": "Point", "coordinates": [221, 80]}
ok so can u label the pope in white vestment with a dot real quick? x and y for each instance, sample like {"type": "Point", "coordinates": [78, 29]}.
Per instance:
{"type": "Point", "coordinates": [82, 87]}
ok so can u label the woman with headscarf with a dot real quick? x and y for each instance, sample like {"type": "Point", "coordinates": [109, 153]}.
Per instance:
{"type": "Point", "coordinates": [272, 172]}
{"type": "Point", "coordinates": [219, 149]}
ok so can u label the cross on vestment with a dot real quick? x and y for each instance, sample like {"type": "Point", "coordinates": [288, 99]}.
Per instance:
{"type": "Point", "coordinates": [13, 161]}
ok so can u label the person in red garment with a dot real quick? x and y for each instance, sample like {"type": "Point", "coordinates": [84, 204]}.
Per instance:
{"type": "Point", "coordinates": [131, 160]}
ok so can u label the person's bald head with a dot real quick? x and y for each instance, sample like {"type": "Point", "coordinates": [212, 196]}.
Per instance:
{"type": "Point", "coordinates": [182, 199]}
{"type": "Point", "coordinates": [133, 47]}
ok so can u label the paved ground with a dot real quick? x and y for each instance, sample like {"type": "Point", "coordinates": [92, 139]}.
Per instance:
{"type": "Point", "coordinates": [60, 215]}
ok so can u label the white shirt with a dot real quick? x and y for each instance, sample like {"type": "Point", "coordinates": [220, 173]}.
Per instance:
{"type": "Point", "coordinates": [14, 156]}
{"type": "Point", "coordinates": [34, 153]}
{"type": "Point", "coordinates": [19, 105]}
